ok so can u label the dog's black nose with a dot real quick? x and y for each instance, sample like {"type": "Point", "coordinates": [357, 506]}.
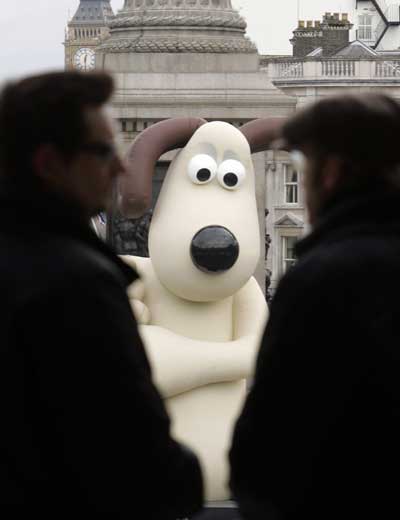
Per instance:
{"type": "Point", "coordinates": [214, 249]}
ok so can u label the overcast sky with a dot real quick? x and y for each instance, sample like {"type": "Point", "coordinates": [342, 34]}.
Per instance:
{"type": "Point", "coordinates": [32, 31]}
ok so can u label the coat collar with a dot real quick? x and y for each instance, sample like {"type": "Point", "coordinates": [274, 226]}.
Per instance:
{"type": "Point", "coordinates": [35, 211]}
{"type": "Point", "coordinates": [363, 212]}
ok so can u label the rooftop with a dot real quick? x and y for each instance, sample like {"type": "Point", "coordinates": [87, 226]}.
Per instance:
{"type": "Point", "coordinates": [97, 12]}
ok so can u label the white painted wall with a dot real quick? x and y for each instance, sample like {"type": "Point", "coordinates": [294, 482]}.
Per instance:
{"type": "Point", "coordinates": [391, 40]}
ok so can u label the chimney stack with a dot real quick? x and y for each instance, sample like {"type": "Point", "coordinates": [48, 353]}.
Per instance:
{"type": "Point", "coordinates": [332, 33]}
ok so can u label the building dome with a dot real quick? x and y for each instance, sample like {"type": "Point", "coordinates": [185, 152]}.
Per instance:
{"type": "Point", "coordinates": [178, 26]}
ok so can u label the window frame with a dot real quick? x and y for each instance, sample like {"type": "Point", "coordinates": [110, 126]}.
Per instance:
{"type": "Point", "coordinates": [365, 29]}
{"type": "Point", "coordinates": [286, 262]}
{"type": "Point", "coordinates": [288, 168]}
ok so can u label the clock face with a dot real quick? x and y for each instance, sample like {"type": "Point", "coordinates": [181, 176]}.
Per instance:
{"type": "Point", "coordinates": [84, 59]}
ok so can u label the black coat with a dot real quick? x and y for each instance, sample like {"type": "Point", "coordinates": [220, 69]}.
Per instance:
{"type": "Point", "coordinates": [83, 429]}
{"type": "Point", "coordinates": [319, 435]}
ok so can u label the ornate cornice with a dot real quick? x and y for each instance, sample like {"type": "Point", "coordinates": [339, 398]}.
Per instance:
{"type": "Point", "coordinates": [174, 45]}
{"type": "Point", "coordinates": [231, 20]}
{"type": "Point", "coordinates": [164, 26]}
{"type": "Point", "coordinates": [132, 5]}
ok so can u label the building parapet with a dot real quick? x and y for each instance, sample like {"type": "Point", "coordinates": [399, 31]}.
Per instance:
{"type": "Point", "coordinates": [292, 70]}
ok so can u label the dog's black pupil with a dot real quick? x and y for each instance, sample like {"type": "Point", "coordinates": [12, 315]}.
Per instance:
{"type": "Point", "coordinates": [203, 175]}
{"type": "Point", "coordinates": [231, 179]}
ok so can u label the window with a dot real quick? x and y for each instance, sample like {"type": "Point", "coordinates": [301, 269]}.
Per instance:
{"type": "Point", "coordinates": [288, 256]}
{"type": "Point", "coordinates": [291, 185]}
{"type": "Point", "coordinates": [365, 27]}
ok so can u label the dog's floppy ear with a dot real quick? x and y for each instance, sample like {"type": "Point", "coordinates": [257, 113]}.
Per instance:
{"type": "Point", "coordinates": [260, 133]}
{"type": "Point", "coordinates": [135, 188]}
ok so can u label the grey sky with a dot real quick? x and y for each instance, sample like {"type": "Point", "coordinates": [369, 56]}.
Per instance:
{"type": "Point", "coordinates": [32, 31]}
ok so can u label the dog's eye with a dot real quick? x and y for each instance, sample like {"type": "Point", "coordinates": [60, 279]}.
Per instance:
{"type": "Point", "coordinates": [202, 169]}
{"type": "Point", "coordinates": [231, 174]}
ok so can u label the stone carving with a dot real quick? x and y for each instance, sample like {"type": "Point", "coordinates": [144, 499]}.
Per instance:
{"type": "Point", "coordinates": [130, 236]}
{"type": "Point", "coordinates": [173, 15]}
{"type": "Point", "coordinates": [170, 45]}
{"type": "Point", "coordinates": [232, 20]}
{"type": "Point", "coordinates": [190, 4]}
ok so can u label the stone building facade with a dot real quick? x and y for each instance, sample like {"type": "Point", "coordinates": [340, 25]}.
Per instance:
{"type": "Point", "coordinates": [351, 67]}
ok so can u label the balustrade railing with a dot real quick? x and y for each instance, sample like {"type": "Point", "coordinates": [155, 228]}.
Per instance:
{"type": "Point", "coordinates": [290, 69]}
{"type": "Point", "coordinates": [332, 69]}
{"type": "Point", "coordinates": [338, 68]}
{"type": "Point", "coordinates": [387, 69]}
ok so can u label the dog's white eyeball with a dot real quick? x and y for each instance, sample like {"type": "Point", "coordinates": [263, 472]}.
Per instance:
{"type": "Point", "coordinates": [202, 169]}
{"type": "Point", "coordinates": [231, 174]}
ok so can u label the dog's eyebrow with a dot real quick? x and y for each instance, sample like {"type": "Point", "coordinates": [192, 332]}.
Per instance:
{"type": "Point", "coordinates": [208, 149]}
{"type": "Point", "coordinates": [230, 154]}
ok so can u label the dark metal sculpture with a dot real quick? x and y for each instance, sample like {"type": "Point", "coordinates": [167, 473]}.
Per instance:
{"type": "Point", "coordinates": [130, 236]}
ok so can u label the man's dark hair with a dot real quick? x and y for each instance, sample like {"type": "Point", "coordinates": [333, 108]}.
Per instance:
{"type": "Point", "coordinates": [362, 131]}
{"type": "Point", "coordinates": [46, 109]}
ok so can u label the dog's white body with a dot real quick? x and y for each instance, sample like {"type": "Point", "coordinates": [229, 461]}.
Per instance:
{"type": "Point", "coordinates": [202, 330]}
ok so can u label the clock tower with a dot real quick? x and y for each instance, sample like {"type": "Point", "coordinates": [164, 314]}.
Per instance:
{"type": "Point", "coordinates": [87, 29]}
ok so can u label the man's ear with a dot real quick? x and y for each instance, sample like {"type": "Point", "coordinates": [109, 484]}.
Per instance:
{"type": "Point", "coordinates": [332, 175]}
{"type": "Point", "coordinates": [47, 161]}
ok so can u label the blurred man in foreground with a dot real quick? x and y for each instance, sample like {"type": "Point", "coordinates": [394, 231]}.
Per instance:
{"type": "Point", "coordinates": [83, 430]}
{"type": "Point", "coordinates": [319, 434]}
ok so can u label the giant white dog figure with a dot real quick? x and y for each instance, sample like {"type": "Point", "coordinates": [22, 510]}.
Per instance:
{"type": "Point", "coordinates": [201, 311]}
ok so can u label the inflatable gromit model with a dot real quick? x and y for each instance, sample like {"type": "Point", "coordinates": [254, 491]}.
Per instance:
{"type": "Point", "coordinates": [201, 312]}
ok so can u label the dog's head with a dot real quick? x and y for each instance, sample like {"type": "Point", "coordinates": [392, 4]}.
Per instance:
{"type": "Point", "coordinates": [204, 238]}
